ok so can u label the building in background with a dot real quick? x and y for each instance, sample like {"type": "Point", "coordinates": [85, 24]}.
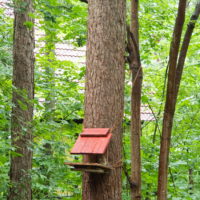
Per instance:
{"type": "Point", "coordinates": [68, 52]}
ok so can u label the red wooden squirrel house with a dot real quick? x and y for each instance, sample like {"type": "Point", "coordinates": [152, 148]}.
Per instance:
{"type": "Point", "coordinates": [92, 141]}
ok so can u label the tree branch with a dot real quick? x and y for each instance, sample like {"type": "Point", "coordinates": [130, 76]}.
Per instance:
{"type": "Point", "coordinates": [184, 47]}
{"type": "Point", "coordinates": [85, 1]}
{"type": "Point", "coordinates": [124, 167]}
{"type": "Point", "coordinates": [132, 48]}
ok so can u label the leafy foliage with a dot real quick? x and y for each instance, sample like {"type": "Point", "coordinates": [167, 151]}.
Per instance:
{"type": "Point", "coordinates": [56, 128]}
{"type": "Point", "coordinates": [5, 98]}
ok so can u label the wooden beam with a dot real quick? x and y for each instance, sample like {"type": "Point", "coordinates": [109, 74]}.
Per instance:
{"type": "Point", "coordinates": [90, 167]}
{"type": "Point", "coordinates": [98, 171]}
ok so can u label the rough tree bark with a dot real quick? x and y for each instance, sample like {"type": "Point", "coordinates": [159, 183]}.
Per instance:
{"type": "Point", "coordinates": [23, 94]}
{"type": "Point", "coordinates": [135, 66]}
{"type": "Point", "coordinates": [174, 78]}
{"type": "Point", "coordinates": [105, 91]}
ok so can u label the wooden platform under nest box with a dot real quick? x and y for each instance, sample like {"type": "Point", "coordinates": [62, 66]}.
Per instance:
{"type": "Point", "coordinates": [92, 141]}
{"type": "Point", "coordinates": [90, 167]}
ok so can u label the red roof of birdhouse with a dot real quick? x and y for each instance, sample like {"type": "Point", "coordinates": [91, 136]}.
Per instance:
{"type": "Point", "coordinates": [92, 141]}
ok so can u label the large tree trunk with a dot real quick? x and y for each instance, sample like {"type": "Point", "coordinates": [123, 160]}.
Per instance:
{"type": "Point", "coordinates": [104, 92]}
{"type": "Point", "coordinates": [136, 68]}
{"type": "Point", "coordinates": [23, 94]}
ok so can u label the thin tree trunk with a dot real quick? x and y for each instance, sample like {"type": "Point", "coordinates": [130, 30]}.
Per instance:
{"type": "Point", "coordinates": [174, 78]}
{"type": "Point", "coordinates": [22, 111]}
{"type": "Point", "coordinates": [50, 95]}
{"type": "Point", "coordinates": [169, 109]}
{"type": "Point", "coordinates": [105, 92]}
{"type": "Point", "coordinates": [49, 71]}
{"type": "Point", "coordinates": [191, 181]}
{"type": "Point", "coordinates": [136, 68]}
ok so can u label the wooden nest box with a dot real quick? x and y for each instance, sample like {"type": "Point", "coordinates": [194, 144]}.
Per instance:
{"type": "Point", "coordinates": [92, 141]}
